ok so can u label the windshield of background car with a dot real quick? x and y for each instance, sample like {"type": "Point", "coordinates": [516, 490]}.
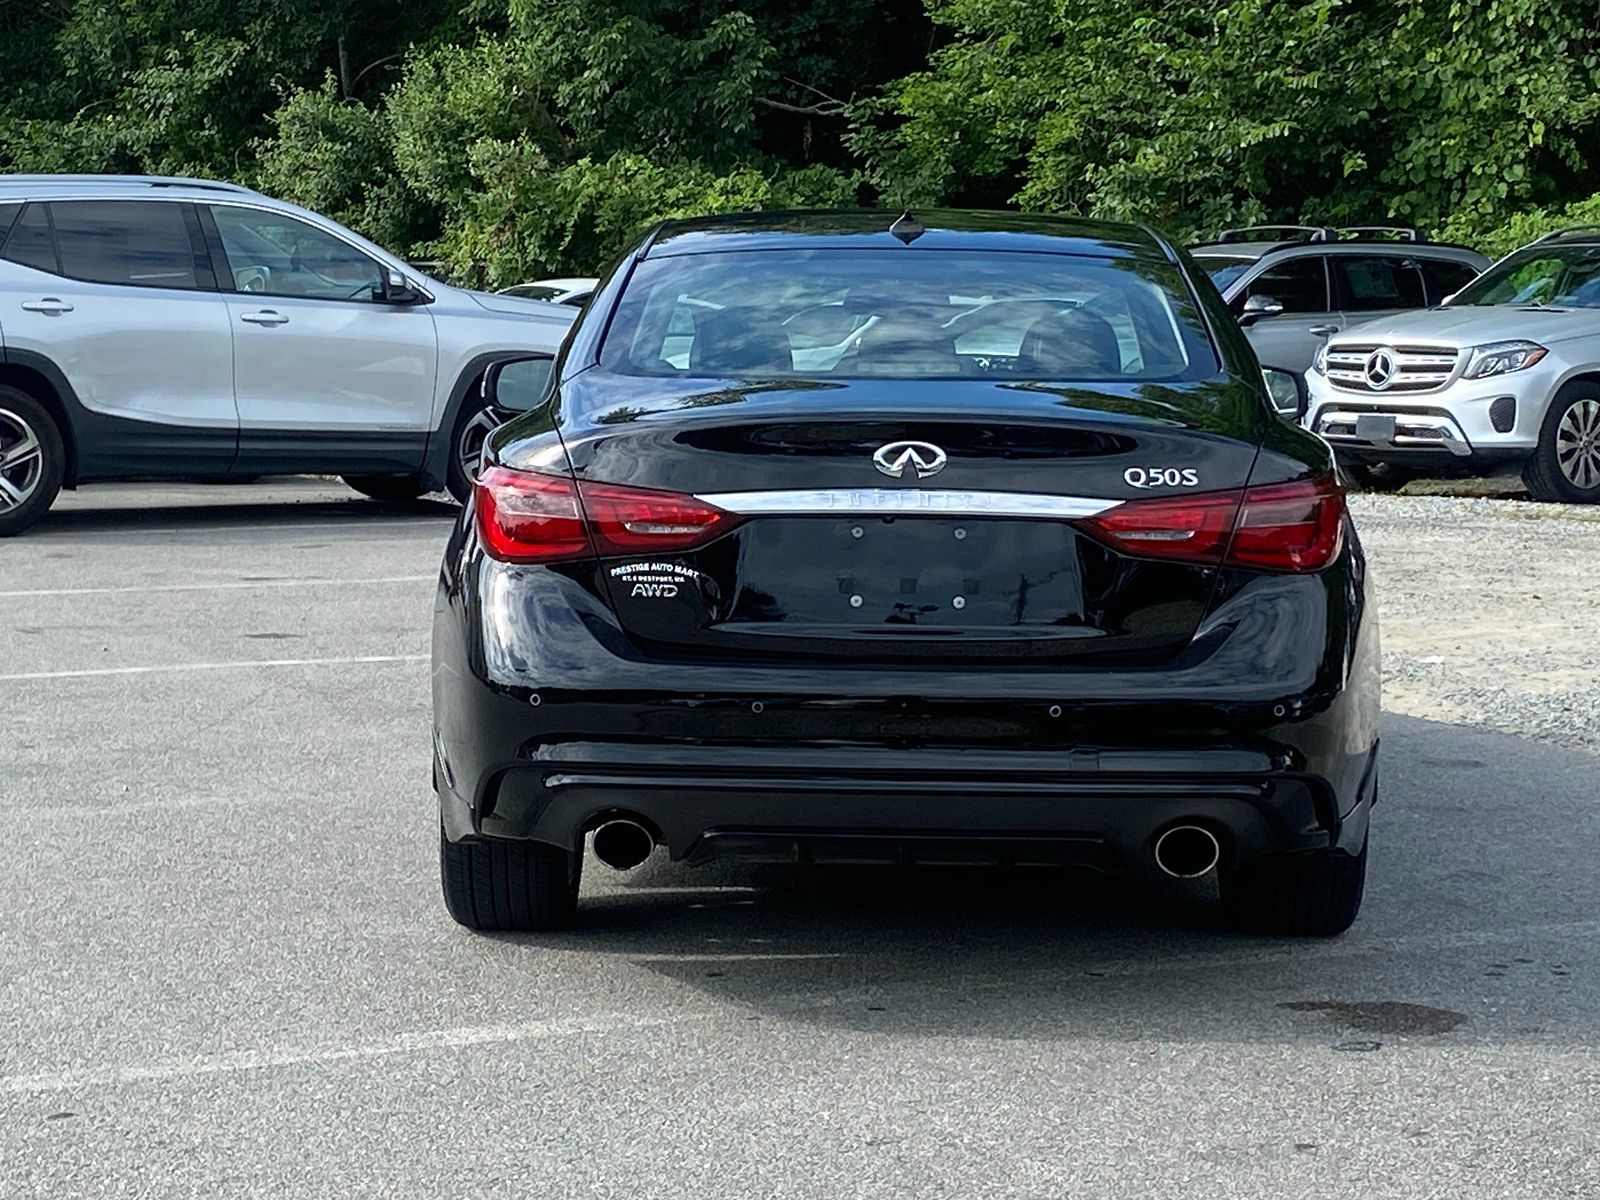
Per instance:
{"type": "Point", "coordinates": [1566, 277]}
{"type": "Point", "coordinates": [920, 314]}
{"type": "Point", "coordinates": [1224, 269]}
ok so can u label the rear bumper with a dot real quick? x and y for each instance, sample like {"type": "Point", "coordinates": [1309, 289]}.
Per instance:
{"type": "Point", "coordinates": [548, 719]}
{"type": "Point", "coordinates": [826, 804]}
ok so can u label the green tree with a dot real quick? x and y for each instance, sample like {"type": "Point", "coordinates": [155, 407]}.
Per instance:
{"type": "Point", "coordinates": [1197, 115]}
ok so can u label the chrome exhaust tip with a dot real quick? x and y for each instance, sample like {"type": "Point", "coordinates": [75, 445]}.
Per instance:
{"type": "Point", "coordinates": [622, 844]}
{"type": "Point", "coordinates": [1187, 851]}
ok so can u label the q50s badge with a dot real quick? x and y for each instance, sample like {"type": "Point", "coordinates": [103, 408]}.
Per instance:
{"type": "Point", "coordinates": [1154, 477]}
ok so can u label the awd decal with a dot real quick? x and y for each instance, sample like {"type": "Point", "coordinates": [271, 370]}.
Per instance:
{"type": "Point", "coordinates": [657, 581]}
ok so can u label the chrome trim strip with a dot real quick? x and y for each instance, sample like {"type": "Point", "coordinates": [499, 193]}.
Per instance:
{"type": "Point", "coordinates": [932, 501]}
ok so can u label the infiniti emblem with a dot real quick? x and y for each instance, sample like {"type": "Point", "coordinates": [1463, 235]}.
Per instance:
{"type": "Point", "coordinates": [1379, 368]}
{"type": "Point", "coordinates": [893, 458]}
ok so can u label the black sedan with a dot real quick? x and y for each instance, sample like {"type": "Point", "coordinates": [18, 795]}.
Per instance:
{"type": "Point", "coordinates": [957, 537]}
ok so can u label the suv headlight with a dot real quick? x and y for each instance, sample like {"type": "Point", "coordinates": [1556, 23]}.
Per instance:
{"type": "Point", "coordinates": [1319, 360]}
{"type": "Point", "coordinates": [1501, 358]}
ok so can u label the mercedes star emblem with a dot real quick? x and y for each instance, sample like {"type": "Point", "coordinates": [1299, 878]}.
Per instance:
{"type": "Point", "coordinates": [1379, 368]}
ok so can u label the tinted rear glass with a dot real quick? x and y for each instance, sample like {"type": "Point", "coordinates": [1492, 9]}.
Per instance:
{"type": "Point", "coordinates": [1373, 283]}
{"type": "Point", "coordinates": [30, 242]}
{"type": "Point", "coordinates": [1445, 278]}
{"type": "Point", "coordinates": [908, 314]}
{"type": "Point", "coordinates": [140, 242]}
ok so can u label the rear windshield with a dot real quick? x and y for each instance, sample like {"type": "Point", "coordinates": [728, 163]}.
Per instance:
{"type": "Point", "coordinates": [917, 314]}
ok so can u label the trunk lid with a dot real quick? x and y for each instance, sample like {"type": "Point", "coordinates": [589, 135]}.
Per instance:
{"type": "Point", "coordinates": [969, 552]}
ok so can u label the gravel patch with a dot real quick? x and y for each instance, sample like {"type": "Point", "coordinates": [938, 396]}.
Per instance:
{"type": "Point", "coordinates": [1489, 612]}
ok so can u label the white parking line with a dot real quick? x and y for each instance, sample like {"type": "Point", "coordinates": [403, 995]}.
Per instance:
{"type": "Point", "coordinates": [238, 585]}
{"type": "Point", "coordinates": [405, 1043]}
{"type": "Point", "coordinates": [241, 665]}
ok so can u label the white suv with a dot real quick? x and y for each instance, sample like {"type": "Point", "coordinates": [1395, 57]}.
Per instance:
{"type": "Point", "coordinates": [173, 328]}
{"type": "Point", "coordinates": [1507, 372]}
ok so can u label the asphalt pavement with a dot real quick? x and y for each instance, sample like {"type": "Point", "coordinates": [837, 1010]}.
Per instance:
{"type": "Point", "coordinates": [225, 969]}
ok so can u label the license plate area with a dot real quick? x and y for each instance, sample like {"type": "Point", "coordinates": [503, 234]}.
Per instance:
{"type": "Point", "coordinates": [889, 574]}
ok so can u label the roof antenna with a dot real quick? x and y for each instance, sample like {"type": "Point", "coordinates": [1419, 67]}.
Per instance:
{"type": "Point", "coordinates": [907, 228]}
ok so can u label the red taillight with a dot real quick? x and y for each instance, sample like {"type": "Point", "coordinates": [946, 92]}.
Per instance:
{"type": "Point", "coordinates": [1276, 527]}
{"type": "Point", "coordinates": [523, 517]}
{"type": "Point", "coordinates": [529, 518]}
{"type": "Point", "coordinates": [1290, 526]}
{"type": "Point", "coordinates": [626, 519]}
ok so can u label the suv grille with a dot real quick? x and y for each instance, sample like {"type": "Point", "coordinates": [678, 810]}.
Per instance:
{"type": "Point", "coordinates": [1378, 368]}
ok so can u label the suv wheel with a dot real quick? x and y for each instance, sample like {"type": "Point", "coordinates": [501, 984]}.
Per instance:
{"type": "Point", "coordinates": [476, 422]}
{"type": "Point", "coordinates": [1315, 894]}
{"type": "Point", "coordinates": [1566, 466]}
{"type": "Point", "coordinates": [32, 460]}
{"type": "Point", "coordinates": [509, 886]}
{"type": "Point", "coordinates": [390, 489]}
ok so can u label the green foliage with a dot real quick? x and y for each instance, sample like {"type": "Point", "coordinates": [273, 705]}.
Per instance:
{"type": "Point", "coordinates": [1197, 115]}
{"type": "Point", "coordinates": [521, 137]}
{"type": "Point", "coordinates": [1522, 228]}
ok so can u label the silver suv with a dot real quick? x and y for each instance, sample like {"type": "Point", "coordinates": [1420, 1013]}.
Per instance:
{"type": "Point", "coordinates": [175, 328]}
{"type": "Point", "coordinates": [1507, 373]}
{"type": "Point", "coordinates": [1294, 286]}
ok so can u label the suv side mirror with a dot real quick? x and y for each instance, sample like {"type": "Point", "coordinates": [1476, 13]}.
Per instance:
{"type": "Point", "coordinates": [397, 289]}
{"type": "Point", "coordinates": [1287, 392]}
{"type": "Point", "coordinates": [518, 384]}
{"type": "Point", "coordinates": [1257, 308]}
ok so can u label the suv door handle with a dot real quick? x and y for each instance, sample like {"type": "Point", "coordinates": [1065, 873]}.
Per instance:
{"type": "Point", "coordinates": [265, 317]}
{"type": "Point", "coordinates": [49, 305]}
{"type": "Point", "coordinates": [1324, 330]}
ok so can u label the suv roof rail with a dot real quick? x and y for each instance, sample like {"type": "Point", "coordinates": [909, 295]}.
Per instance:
{"type": "Point", "coordinates": [1311, 233]}
{"type": "Point", "coordinates": [1403, 233]}
{"type": "Point", "coordinates": [126, 181]}
{"type": "Point", "coordinates": [1569, 231]}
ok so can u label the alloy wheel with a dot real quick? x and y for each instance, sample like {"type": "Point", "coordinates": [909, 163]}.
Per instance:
{"type": "Point", "coordinates": [21, 460]}
{"type": "Point", "coordinates": [469, 447]}
{"type": "Point", "coordinates": [1578, 444]}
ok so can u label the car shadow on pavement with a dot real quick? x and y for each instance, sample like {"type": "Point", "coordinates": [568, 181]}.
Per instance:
{"type": "Point", "coordinates": [1482, 916]}
{"type": "Point", "coordinates": [229, 513]}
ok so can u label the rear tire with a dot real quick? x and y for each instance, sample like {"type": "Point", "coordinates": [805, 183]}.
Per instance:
{"type": "Point", "coordinates": [387, 488]}
{"type": "Point", "coordinates": [1296, 895]}
{"type": "Point", "coordinates": [477, 420]}
{"type": "Point", "coordinates": [1565, 469]}
{"type": "Point", "coordinates": [33, 461]}
{"type": "Point", "coordinates": [509, 887]}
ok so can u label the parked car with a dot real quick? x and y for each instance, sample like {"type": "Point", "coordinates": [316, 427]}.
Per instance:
{"type": "Point", "coordinates": [1081, 597]}
{"type": "Point", "coordinates": [1292, 287]}
{"type": "Point", "coordinates": [575, 292]}
{"type": "Point", "coordinates": [171, 328]}
{"type": "Point", "coordinates": [1506, 374]}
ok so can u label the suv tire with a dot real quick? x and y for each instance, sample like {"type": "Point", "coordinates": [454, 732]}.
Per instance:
{"type": "Point", "coordinates": [33, 460]}
{"type": "Point", "coordinates": [509, 887]}
{"type": "Point", "coordinates": [1565, 468]}
{"type": "Point", "coordinates": [1296, 895]}
{"type": "Point", "coordinates": [389, 489]}
{"type": "Point", "coordinates": [477, 419]}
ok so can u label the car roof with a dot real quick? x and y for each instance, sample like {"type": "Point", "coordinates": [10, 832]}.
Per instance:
{"type": "Point", "coordinates": [930, 229]}
{"type": "Point", "coordinates": [56, 187]}
{"type": "Point", "coordinates": [1254, 250]}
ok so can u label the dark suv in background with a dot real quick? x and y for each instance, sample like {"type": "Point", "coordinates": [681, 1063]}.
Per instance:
{"type": "Point", "coordinates": [1294, 286]}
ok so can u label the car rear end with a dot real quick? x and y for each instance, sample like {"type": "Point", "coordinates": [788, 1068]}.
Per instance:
{"type": "Point", "coordinates": [978, 545]}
